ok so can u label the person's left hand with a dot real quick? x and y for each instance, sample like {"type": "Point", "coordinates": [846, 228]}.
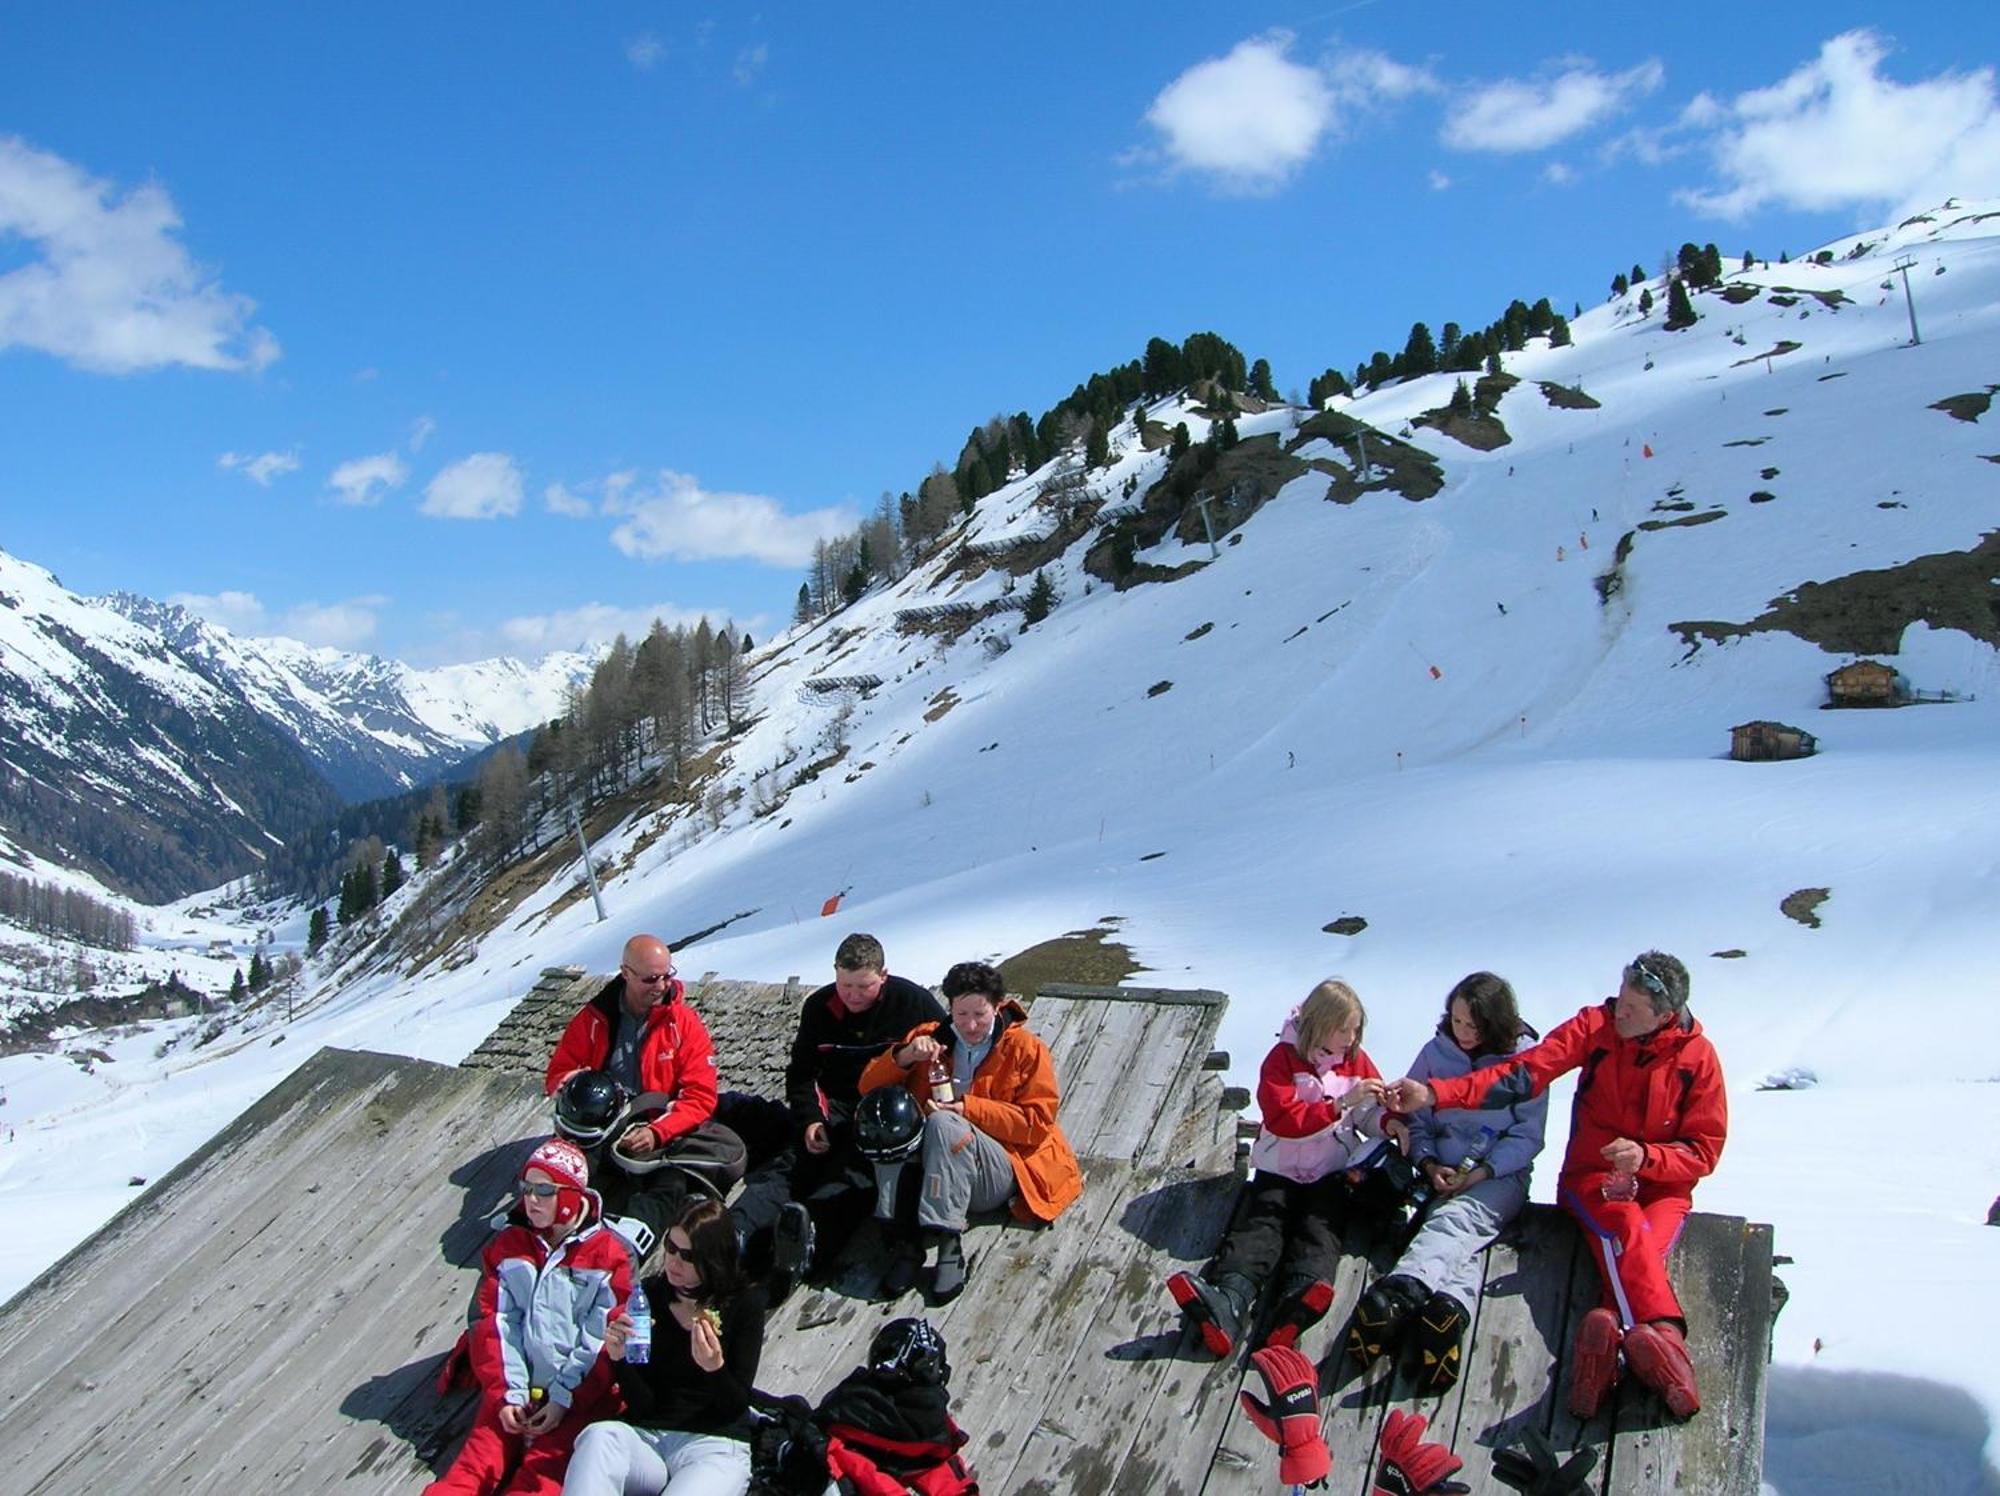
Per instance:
{"type": "Point", "coordinates": [704, 1345]}
{"type": "Point", "coordinates": [956, 1108]}
{"type": "Point", "coordinates": [513, 1420]}
{"type": "Point", "coordinates": [618, 1330]}
{"type": "Point", "coordinates": [1624, 1155]}
{"type": "Point", "coordinates": [542, 1419]}
{"type": "Point", "coordinates": [1396, 1128]}
{"type": "Point", "coordinates": [639, 1140]}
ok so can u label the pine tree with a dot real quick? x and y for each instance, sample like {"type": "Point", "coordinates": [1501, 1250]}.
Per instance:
{"type": "Point", "coordinates": [1461, 400]}
{"type": "Point", "coordinates": [316, 930]}
{"type": "Point", "coordinates": [1041, 600]}
{"type": "Point", "coordinates": [802, 610]}
{"type": "Point", "coordinates": [747, 645]}
{"type": "Point", "coordinates": [1225, 434]}
{"type": "Point", "coordinates": [259, 972]}
{"type": "Point", "coordinates": [1645, 300]}
{"type": "Point", "coordinates": [392, 873]}
{"type": "Point", "coordinates": [1096, 448]}
{"type": "Point", "coordinates": [1559, 334]}
{"type": "Point", "coordinates": [1260, 380]}
{"type": "Point", "coordinates": [1749, 261]}
{"type": "Point", "coordinates": [1680, 310]}
{"type": "Point", "coordinates": [1178, 448]}
{"type": "Point", "coordinates": [1419, 352]}
{"type": "Point", "coordinates": [237, 988]}
{"type": "Point", "coordinates": [1493, 362]}
{"type": "Point", "coordinates": [1638, 273]}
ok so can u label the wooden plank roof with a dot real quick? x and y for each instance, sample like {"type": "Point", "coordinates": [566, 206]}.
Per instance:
{"type": "Point", "coordinates": [271, 1313]}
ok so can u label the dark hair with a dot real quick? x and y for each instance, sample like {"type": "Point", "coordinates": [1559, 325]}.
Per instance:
{"type": "Point", "coordinates": [860, 952]}
{"type": "Point", "coordinates": [1662, 978]}
{"type": "Point", "coordinates": [712, 1240]}
{"type": "Point", "coordinates": [968, 977]}
{"type": "Point", "coordinates": [1494, 1012]}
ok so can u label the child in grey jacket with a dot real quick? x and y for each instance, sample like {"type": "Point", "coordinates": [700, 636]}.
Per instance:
{"type": "Point", "coordinates": [1476, 1165]}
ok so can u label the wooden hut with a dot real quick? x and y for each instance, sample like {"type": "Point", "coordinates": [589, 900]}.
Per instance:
{"type": "Point", "coordinates": [1864, 683]}
{"type": "Point", "coordinates": [1751, 741]}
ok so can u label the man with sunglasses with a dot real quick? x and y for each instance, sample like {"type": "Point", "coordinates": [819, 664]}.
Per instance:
{"type": "Point", "coordinates": [640, 1029]}
{"type": "Point", "coordinates": [1649, 1120]}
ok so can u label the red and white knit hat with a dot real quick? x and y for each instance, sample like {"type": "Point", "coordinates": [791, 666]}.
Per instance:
{"type": "Point", "coordinates": [562, 1161]}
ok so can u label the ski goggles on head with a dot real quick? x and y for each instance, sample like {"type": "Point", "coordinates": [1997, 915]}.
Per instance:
{"type": "Point", "coordinates": [541, 1190]}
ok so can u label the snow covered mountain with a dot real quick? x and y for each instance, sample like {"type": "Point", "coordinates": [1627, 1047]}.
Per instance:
{"type": "Point", "coordinates": [160, 754]}
{"type": "Point", "coordinates": [373, 726]}
{"type": "Point", "coordinates": [1451, 691]}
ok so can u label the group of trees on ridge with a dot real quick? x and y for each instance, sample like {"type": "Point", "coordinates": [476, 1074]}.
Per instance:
{"type": "Point", "coordinates": [906, 527]}
{"type": "Point", "coordinates": [67, 913]}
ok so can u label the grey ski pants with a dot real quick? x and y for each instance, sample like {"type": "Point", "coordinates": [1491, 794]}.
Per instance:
{"type": "Point", "coordinates": [1444, 1255]}
{"type": "Point", "coordinates": [963, 1170]}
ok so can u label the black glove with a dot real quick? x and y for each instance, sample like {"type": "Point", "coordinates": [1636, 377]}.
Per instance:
{"type": "Point", "coordinates": [1535, 1473]}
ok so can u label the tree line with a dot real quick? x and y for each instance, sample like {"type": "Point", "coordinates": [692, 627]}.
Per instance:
{"type": "Point", "coordinates": [905, 528]}
{"type": "Point", "coordinates": [68, 913]}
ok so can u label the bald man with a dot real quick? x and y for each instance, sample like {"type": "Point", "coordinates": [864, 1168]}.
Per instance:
{"type": "Point", "coordinates": [640, 1030]}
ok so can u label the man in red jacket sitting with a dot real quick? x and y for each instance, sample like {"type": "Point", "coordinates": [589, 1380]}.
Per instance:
{"type": "Point", "coordinates": [641, 1030]}
{"type": "Point", "coordinates": [1649, 1119]}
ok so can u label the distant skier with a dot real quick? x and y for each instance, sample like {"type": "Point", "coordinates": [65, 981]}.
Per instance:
{"type": "Point", "coordinates": [1649, 1121]}
{"type": "Point", "coordinates": [1320, 1097]}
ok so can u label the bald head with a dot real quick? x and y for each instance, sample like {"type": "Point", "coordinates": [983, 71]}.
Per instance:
{"type": "Point", "coordinates": [648, 968]}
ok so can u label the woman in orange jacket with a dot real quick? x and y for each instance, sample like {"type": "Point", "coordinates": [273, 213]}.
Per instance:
{"type": "Point", "coordinates": [987, 1091]}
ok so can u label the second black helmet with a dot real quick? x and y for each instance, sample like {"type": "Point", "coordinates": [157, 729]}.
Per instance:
{"type": "Point", "coordinates": [587, 1105]}
{"type": "Point", "coordinates": [888, 1127]}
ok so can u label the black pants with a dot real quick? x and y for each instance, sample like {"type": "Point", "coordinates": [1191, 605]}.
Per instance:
{"type": "Point", "coordinates": [837, 1189]}
{"type": "Point", "coordinates": [1283, 1226]}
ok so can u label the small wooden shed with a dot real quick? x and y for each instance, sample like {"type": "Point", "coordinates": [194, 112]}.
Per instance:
{"type": "Point", "coordinates": [1751, 741]}
{"type": "Point", "coordinates": [1864, 683]}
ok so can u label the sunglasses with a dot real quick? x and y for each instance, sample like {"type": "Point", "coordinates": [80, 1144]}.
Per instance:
{"type": "Point", "coordinates": [653, 980]}
{"type": "Point", "coordinates": [540, 1190]}
{"type": "Point", "coordinates": [674, 1249]}
{"type": "Point", "coordinates": [1648, 979]}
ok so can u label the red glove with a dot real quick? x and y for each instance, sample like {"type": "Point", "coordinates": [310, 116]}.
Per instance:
{"type": "Point", "coordinates": [1290, 1416]}
{"type": "Point", "coordinates": [1411, 1467]}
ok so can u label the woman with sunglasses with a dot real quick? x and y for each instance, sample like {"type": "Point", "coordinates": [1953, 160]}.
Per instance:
{"type": "Point", "coordinates": [686, 1425]}
{"type": "Point", "coordinates": [544, 1304]}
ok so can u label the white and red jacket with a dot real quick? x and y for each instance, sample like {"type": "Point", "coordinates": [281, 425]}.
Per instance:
{"type": "Point", "coordinates": [676, 1056]}
{"type": "Point", "coordinates": [1303, 1134]}
{"type": "Point", "coordinates": [542, 1312]}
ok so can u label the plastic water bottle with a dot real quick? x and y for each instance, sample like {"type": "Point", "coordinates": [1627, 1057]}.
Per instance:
{"type": "Point", "coordinates": [639, 1344]}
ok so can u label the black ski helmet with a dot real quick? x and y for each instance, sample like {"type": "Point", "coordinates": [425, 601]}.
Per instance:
{"type": "Point", "coordinates": [887, 1125]}
{"type": "Point", "coordinates": [910, 1349]}
{"type": "Point", "coordinates": [587, 1105]}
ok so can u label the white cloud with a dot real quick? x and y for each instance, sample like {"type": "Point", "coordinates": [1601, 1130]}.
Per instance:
{"type": "Point", "coordinates": [421, 431]}
{"type": "Point", "coordinates": [535, 635]}
{"type": "Point", "coordinates": [571, 505]}
{"type": "Point", "coordinates": [342, 625]}
{"type": "Point", "coordinates": [677, 517]}
{"type": "Point", "coordinates": [1439, 182]}
{"type": "Point", "coordinates": [644, 51]}
{"type": "Point", "coordinates": [1517, 114]}
{"type": "Point", "coordinates": [486, 485]}
{"type": "Point", "coordinates": [1248, 120]}
{"type": "Point", "coordinates": [749, 63]}
{"type": "Point", "coordinates": [367, 480]}
{"type": "Point", "coordinates": [1837, 134]}
{"type": "Point", "coordinates": [262, 468]}
{"type": "Point", "coordinates": [1558, 174]}
{"type": "Point", "coordinates": [104, 284]}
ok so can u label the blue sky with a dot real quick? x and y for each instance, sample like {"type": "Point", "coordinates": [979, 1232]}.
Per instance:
{"type": "Point", "coordinates": [445, 331]}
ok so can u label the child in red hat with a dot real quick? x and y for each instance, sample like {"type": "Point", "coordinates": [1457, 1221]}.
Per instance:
{"type": "Point", "coordinates": [548, 1289]}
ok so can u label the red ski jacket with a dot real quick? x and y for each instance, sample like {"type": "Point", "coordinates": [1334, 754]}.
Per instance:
{"type": "Point", "coordinates": [1664, 1090]}
{"type": "Point", "coordinates": [676, 1056]}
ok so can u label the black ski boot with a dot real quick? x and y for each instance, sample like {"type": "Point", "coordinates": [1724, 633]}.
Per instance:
{"type": "Point", "coordinates": [1380, 1316]}
{"type": "Point", "coordinates": [1217, 1309]}
{"type": "Point", "coordinates": [1436, 1337]}
{"type": "Point", "coordinates": [1302, 1305]}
